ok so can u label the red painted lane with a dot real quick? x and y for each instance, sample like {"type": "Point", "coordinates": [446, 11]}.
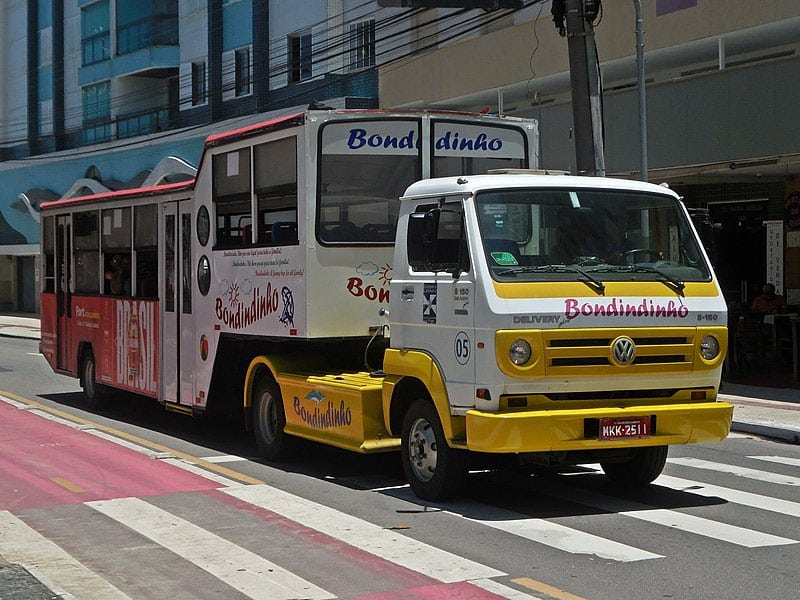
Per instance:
{"type": "Point", "coordinates": [43, 463]}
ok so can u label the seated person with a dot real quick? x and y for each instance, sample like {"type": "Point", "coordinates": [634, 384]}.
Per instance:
{"type": "Point", "coordinates": [118, 275]}
{"type": "Point", "coordinates": [769, 301]}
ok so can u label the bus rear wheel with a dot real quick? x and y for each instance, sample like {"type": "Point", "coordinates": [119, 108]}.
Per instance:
{"type": "Point", "coordinates": [643, 466]}
{"type": "Point", "coordinates": [269, 421]}
{"type": "Point", "coordinates": [434, 470]}
{"type": "Point", "coordinates": [94, 392]}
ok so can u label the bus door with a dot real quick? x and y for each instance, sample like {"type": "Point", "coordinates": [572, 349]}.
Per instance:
{"type": "Point", "coordinates": [63, 258]}
{"type": "Point", "coordinates": [176, 309]}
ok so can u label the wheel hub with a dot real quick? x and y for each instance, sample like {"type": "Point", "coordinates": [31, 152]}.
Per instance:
{"type": "Point", "coordinates": [422, 450]}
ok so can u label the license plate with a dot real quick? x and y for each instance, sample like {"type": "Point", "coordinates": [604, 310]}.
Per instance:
{"type": "Point", "coordinates": [618, 428]}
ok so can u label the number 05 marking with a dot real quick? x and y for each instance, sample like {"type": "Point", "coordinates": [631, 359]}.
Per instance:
{"type": "Point", "coordinates": [462, 348]}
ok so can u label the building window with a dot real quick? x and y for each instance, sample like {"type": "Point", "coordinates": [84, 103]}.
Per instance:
{"type": "Point", "coordinates": [242, 69]}
{"type": "Point", "coordinates": [97, 112]}
{"type": "Point", "coordinates": [198, 83]}
{"type": "Point", "coordinates": [299, 57]}
{"type": "Point", "coordinates": [95, 36]}
{"type": "Point", "coordinates": [362, 45]}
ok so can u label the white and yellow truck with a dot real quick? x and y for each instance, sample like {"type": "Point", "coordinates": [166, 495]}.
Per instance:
{"type": "Point", "coordinates": [556, 319]}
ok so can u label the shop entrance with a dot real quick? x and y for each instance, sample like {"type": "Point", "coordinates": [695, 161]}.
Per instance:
{"type": "Point", "coordinates": [739, 248]}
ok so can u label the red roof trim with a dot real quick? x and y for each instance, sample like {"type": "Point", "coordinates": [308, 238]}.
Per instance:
{"type": "Point", "coordinates": [118, 194]}
{"type": "Point", "coordinates": [216, 138]}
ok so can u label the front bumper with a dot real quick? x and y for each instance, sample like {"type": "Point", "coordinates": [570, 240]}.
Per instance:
{"type": "Point", "coordinates": [574, 429]}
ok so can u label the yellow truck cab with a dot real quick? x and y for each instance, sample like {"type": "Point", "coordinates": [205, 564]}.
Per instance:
{"type": "Point", "coordinates": [561, 319]}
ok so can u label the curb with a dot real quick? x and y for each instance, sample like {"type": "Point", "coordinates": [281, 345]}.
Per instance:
{"type": "Point", "coordinates": [787, 434]}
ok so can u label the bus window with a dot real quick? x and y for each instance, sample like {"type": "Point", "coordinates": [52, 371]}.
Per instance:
{"type": "Point", "coordinates": [145, 244]}
{"type": "Point", "coordinates": [361, 180]}
{"type": "Point", "coordinates": [48, 249]}
{"type": "Point", "coordinates": [472, 148]}
{"type": "Point", "coordinates": [116, 247]}
{"type": "Point", "coordinates": [87, 252]}
{"type": "Point", "coordinates": [275, 176]}
{"type": "Point", "coordinates": [231, 196]}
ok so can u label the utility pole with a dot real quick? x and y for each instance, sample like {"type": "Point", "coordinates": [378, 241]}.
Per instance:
{"type": "Point", "coordinates": [573, 19]}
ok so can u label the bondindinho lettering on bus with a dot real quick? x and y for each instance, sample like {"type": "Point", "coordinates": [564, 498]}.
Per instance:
{"type": "Point", "coordinates": [451, 140]}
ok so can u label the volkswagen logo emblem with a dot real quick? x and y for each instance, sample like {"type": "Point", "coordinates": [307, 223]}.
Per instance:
{"type": "Point", "coordinates": [623, 351]}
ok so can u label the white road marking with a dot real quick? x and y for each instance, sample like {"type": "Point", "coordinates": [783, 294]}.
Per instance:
{"type": "Point", "coordinates": [226, 458]}
{"type": "Point", "coordinates": [555, 535]}
{"type": "Point", "coordinates": [50, 564]}
{"type": "Point", "coordinates": [243, 570]}
{"type": "Point", "coordinates": [765, 476]}
{"type": "Point", "coordinates": [783, 507]}
{"type": "Point", "coordinates": [676, 520]}
{"type": "Point", "coordinates": [379, 541]}
{"type": "Point", "coordinates": [502, 590]}
{"type": "Point", "coordinates": [781, 460]}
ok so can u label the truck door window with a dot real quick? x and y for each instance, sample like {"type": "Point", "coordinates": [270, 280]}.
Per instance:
{"type": "Point", "coordinates": [448, 246]}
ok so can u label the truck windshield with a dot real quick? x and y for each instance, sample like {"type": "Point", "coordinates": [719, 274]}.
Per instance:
{"type": "Point", "coordinates": [588, 235]}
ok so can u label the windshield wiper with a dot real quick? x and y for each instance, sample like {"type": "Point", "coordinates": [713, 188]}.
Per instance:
{"type": "Point", "coordinates": [671, 282]}
{"type": "Point", "coordinates": [595, 284]}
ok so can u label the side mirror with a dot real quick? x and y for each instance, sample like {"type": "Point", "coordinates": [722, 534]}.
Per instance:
{"type": "Point", "coordinates": [420, 240]}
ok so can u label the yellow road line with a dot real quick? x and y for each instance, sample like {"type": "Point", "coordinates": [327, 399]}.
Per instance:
{"type": "Point", "coordinates": [544, 588]}
{"type": "Point", "coordinates": [214, 468]}
{"type": "Point", "coordinates": [68, 485]}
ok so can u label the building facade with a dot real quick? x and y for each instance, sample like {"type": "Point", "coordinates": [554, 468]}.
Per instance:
{"type": "Point", "coordinates": [98, 93]}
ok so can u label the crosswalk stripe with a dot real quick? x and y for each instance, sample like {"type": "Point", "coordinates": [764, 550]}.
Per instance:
{"type": "Point", "coordinates": [777, 505]}
{"type": "Point", "coordinates": [495, 587]}
{"type": "Point", "coordinates": [676, 520]}
{"type": "Point", "coordinates": [554, 535]}
{"type": "Point", "coordinates": [378, 541]}
{"type": "Point", "coordinates": [781, 460]}
{"type": "Point", "coordinates": [50, 564]}
{"type": "Point", "coordinates": [243, 570]}
{"type": "Point", "coordinates": [765, 476]}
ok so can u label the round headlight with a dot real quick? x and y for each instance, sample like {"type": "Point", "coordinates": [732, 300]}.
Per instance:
{"type": "Point", "coordinates": [519, 352]}
{"type": "Point", "coordinates": [709, 347]}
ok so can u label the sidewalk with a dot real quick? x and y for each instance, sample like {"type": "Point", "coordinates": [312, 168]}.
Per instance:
{"type": "Point", "coordinates": [770, 412]}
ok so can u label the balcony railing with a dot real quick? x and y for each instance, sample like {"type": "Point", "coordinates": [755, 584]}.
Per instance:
{"type": "Point", "coordinates": [152, 31]}
{"type": "Point", "coordinates": [126, 126]}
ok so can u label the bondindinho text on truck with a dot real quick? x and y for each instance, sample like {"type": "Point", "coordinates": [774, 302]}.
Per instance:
{"type": "Point", "coordinates": [356, 278]}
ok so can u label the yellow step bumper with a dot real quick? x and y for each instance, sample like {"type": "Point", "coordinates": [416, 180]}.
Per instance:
{"type": "Point", "coordinates": [556, 430]}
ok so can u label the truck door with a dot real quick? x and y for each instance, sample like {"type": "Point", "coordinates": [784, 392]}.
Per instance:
{"type": "Point", "coordinates": [177, 324]}
{"type": "Point", "coordinates": [63, 251]}
{"type": "Point", "coordinates": [437, 304]}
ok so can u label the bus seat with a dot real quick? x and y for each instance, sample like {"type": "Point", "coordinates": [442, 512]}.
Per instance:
{"type": "Point", "coordinates": [284, 233]}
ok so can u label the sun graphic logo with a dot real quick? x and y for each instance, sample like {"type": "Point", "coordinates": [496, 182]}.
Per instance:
{"type": "Point", "coordinates": [385, 275]}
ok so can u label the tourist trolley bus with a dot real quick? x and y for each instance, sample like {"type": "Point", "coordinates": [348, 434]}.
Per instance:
{"type": "Point", "coordinates": [284, 237]}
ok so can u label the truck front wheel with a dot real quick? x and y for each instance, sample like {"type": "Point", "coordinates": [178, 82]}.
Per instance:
{"type": "Point", "coordinates": [434, 470]}
{"type": "Point", "coordinates": [269, 420]}
{"type": "Point", "coordinates": [643, 466]}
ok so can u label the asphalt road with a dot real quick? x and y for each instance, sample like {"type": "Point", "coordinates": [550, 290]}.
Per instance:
{"type": "Point", "coordinates": [130, 501]}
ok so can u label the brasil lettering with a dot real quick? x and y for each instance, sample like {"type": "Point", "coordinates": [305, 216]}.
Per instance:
{"type": "Point", "coordinates": [242, 315]}
{"type": "Point", "coordinates": [333, 416]}
{"type": "Point", "coordinates": [451, 140]}
{"type": "Point", "coordinates": [617, 307]}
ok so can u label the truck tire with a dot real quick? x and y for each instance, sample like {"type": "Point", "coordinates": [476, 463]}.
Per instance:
{"type": "Point", "coordinates": [434, 470]}
{"type": "Point", "coordinates": [94, 392]}
{"type": "Point", "coordinates": [269, 421]}
{"type": "Point", "coordinates": [644, 465]}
